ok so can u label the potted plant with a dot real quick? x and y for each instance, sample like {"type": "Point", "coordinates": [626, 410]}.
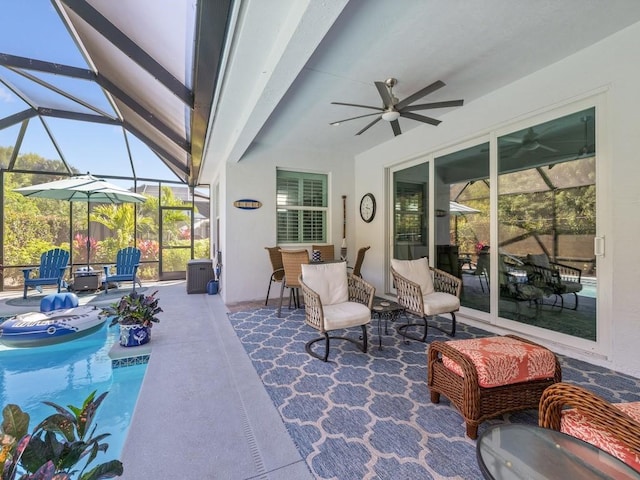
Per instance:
{"type": "Point", "coordinates": [136, 314]}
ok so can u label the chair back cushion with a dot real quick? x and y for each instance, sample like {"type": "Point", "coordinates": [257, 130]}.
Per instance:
{"type": "Point", "coordinates": [416, 271]}
{"type": "Point", "coordinates": [329, 280]}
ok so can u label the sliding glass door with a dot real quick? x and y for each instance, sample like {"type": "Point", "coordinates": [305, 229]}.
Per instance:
{"type": "Point", "coordinates": [547, 225]}
{"type": "Point", "coordinates": [411, 212]}
{"type": "Point", "coordinates": [462, 192]}
{"type": "Point", "coordinates": [536, 263]}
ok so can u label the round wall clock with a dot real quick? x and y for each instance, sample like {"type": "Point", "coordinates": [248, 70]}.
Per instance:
{"type": "Point", "coordinates": [368, 207]}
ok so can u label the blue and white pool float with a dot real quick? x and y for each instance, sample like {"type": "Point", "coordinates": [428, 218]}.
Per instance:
{"type": "Point", "coordinates": [53, 324]}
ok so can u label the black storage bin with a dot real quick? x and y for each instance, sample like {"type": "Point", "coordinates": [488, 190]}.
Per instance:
{"type": "Point", "coordinates": [199, 272]}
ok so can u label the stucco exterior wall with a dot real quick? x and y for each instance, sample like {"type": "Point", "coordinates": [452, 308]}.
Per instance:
{"type": "Point", "coordinates": [247, 232]}
{"type": "Point", "coordinates": [607, 72]}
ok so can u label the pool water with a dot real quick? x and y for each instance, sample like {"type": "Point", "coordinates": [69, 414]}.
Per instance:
{"type": "Point", "coordinates": [66, 374]}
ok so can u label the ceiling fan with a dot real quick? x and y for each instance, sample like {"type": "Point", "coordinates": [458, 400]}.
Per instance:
{"type": "Point", "coordinates": [530, 141]}
{"type": "Point", "coordinates": [393, 108]}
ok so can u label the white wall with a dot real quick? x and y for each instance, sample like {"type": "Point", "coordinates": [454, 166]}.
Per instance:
{"type": "Point", "coordinates": [609, 68]}
{"type": "Point", "coordinates": [247, 232]}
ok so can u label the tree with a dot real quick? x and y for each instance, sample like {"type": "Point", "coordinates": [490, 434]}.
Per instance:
{"type": "Point", "coordinates": [120, 220]}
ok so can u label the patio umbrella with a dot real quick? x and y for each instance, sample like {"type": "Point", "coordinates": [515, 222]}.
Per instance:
{"type": "Point", "coordinates": [82, 188]}
{"type": "Point", "coordinates": [456, 209]}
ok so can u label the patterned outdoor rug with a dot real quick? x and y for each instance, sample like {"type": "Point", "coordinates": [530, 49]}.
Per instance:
{"type": "Point", "coordinates": [369, 416]}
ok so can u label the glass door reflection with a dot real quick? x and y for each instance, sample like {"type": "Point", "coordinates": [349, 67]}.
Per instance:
{"type": "Point", "coordinates": [411, 207]}
{"type": "Point", "coordinates": [462, 221]}
{"type": "Point", "coordinates": [547, 225]}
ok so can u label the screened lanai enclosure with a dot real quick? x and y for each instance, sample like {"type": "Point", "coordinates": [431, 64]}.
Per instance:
{"type": "Point", "coordinates": [112, 90]}
{"type": "Point", "coordinates": [535, 263]}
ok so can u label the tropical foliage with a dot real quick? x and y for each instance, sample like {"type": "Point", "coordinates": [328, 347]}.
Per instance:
{"type": "Point", "coordinates": [33, 225]}
{"type": "Point", "coordinates": [134, 309]}
{"type": "Point", "coordinates": [529, 210]}
{"type": "Point", "coordinates": [61, 447]}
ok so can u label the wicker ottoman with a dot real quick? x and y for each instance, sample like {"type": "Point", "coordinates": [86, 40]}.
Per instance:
{"type": "Point", "coordinates": [460, 376]}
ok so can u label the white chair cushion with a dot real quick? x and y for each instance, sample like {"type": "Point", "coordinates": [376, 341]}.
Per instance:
{"type": "Point", "coordinates": [329, 280]}
{"type": "Point", "coordinates": [440, 302]}
{"type": "Point", "coordinates": [417, 271]}
{"type": "Point", "coordinates": [344, 315]}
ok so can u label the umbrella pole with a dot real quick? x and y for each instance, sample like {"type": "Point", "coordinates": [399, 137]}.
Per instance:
{"type": "Point", "coordinates": [456, 229]}
{"type": "Point", "coordinates": [88, 236]}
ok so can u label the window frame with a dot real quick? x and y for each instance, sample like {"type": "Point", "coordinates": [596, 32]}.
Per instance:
{"type": "Point", "coordinates": [306, 207]}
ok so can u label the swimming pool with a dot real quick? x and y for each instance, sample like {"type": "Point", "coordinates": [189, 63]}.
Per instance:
{"type": "Point", "coordinates": [66, 374]}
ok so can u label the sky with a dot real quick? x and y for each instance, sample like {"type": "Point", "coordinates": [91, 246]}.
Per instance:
{"type": "Point", "coordinates": [32, 28]}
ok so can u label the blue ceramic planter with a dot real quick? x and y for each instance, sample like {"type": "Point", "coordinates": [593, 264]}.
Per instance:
{"type": "Point", "coordinates": [134, 335]}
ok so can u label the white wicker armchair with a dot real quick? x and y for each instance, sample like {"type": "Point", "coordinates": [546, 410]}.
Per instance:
{"type": "Point", "coordinates": [335, 300]}
{"type": "Point", "coordinates": [423, 291]}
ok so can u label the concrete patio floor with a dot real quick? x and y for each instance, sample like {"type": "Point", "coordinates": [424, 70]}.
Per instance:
{"type": "Point", "coordinates": [202, 411]}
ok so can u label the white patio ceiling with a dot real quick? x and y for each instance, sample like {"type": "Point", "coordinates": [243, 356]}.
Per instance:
{"type": "Point", "coordinates": [290, 60]}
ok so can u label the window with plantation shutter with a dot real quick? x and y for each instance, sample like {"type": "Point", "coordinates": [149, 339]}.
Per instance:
{"type": "Point", "coordinates": [301, 207]}
{"type": "Point", "coordinates": [410, 213]}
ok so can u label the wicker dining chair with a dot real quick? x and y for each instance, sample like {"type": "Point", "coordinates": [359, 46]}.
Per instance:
{"type": "Point", "coordinates": [359, 261]}
{"type": "Point", "coordinates": [327, 252]}
{"type": "Point", "coordinates": [277, 270]}
{"type": "Point", "coordinates": [292, 261]}
{"type": "Point", "coordinates": [576, 411]}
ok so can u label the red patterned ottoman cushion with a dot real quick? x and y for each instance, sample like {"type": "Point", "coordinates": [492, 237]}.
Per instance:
{"type": "Point", "coordinates": [577, 425]}
{"type": "Point", "coordinates": [503, 360]}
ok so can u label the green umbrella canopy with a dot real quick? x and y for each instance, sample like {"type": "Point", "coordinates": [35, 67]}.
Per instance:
{"type": "Point", "coordinates": [82, 188]}
{"type": "Point", "coordinates": [456, 208]}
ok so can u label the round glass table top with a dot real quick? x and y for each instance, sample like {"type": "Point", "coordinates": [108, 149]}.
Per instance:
{"type": "Point", "coordinates": [516, 451]}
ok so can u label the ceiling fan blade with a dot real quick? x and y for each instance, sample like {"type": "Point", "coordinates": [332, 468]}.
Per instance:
{"type": "Point", "coordinates": [353, 118]}
{"type": "Point", "coordinates": [540, 145]}
{"type": "Point", "coordinates": [420, 93]}
{"type": "Point", "coordinates": [395, 125]}
{"type": "Point", "coordinates": [517, 141]}
{"type": "Point", "coordinates": [425, 106]}
{"type": "Point", "coordinates": [369, 125]}
{"type": "Point", "coordinates": [356, 105]}
{"type": "Point", "coordinates": [420, 118]}
{"type": "Point", "coordinates": [384, 94]}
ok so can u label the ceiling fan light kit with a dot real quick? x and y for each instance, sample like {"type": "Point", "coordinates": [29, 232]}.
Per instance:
{"type": "Point", "coordinates": [392, 108]}
{"type": "Point", "coordinates": [391, 115]}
